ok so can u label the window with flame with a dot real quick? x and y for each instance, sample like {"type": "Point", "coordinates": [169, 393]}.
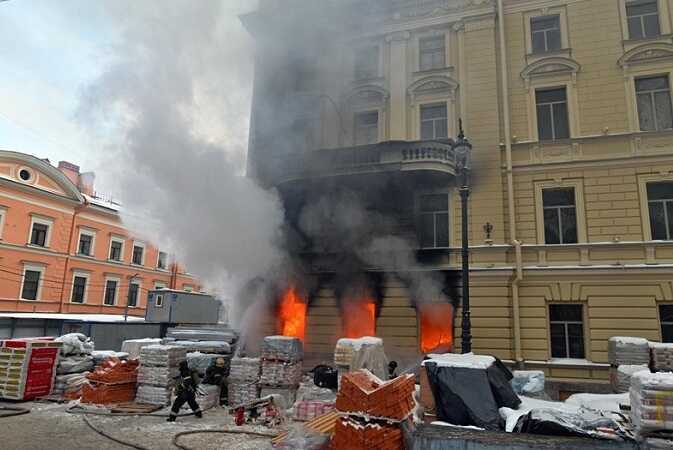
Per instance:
{"type": "Point", "coordinates": [433, 211]}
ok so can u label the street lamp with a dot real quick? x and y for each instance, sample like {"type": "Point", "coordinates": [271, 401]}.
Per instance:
{"type": "Point", "coordinates": [463, 151]}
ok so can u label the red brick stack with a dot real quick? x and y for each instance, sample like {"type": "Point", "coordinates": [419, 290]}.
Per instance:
{"type": "Point", "coordinates": [372, 411]}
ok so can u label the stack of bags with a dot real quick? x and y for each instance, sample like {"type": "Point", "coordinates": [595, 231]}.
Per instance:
{"type": "Point", "coordinates": [633, 352]}
{"type": "Point", "coordinates": [133, 346]}
{"type": "Point", "coordinates": [652, 403]}
{"type": "Point", "coordinates": [282, 358]}
{"type": "Point", "coordinates": [201, 361]}
{"type": "Point", "coordinates": [361, 353]}
{"type": "Point", "coordinates": [662, 356]}
{"type": "Point", "coordinates": [74, 365]}
{"type": "Point", "coordinates": [157, 373]}
{"type": "Point", "coordinates": [312, 401]}
{"type": "Point", "coordinates": [113, 381]}
{"type": "Point", "coordinates": [243, 380]}
{"type": "Point", "coordinates": [372, 411]}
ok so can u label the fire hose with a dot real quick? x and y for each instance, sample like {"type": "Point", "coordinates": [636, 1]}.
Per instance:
{"type": "Point", "coordinates": [12, 411]}
{"type": "Point", "coordinates": [177, 437]}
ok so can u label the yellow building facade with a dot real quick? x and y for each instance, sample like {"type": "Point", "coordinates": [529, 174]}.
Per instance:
{"type": "Point", "coordinates": [568, 106]}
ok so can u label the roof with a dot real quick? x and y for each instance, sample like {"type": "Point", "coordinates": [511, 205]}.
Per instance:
{"type": "Point", "coordinates": [103, 318]}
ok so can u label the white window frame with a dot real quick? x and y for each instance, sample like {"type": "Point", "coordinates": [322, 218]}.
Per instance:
{"type": "Point", "coordinates": [36, 268]}
{"type": "Point", "coordinates": [527, 20]}
{"type": "Point", "coordinates": [643, 181]}
{"type": "Point", "coordinates": [430, 104]}
{"type": "Point", "coordinates": [572, 102]}
{"type": "Point", "coordinates": [378, 124]}
{"type": "Point", "coordinates": [81, 274]}
{"type": "Point", "coordinates": [116, 297]}
{"type": "Point", "coordinates": [120, 240]}
{"type": "Point", "coordinates": [669, 77]}
{"type": "Point", "coordinates": [452, 217]}
{"type": "Point", "coordinates": [664, 21]}
{"type": "Point", "coordinates": [159, 252]}
{"type": "Point", "coordinates": [3, 215]}
{"type": "Point", "coordinates": [87, 232]}
{"type": "Point", "coordinates": [138, 283]}
{"type": "Point", "coordinates": [580, 213]}
{"type": "Point", "coordinates": [188, 287]}
{"type": "Point", "coordinates": [157, 303]}
{"type": "Point", "coordinates": [144, 247]}
{"type": "Point", "coordinates": [42, 220]}
{"type": "Point", "coordinates": [429, 35]}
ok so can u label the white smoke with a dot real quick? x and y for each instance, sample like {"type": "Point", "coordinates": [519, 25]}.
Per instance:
{"type": "Point", "coordinates": [175, 105]}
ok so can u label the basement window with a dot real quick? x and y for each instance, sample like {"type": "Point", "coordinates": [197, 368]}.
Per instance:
{"type": "Point", "coordinates": [567, 331]}
{"type": "Point", "coordinates": [666, 319]}
{"type": "Point", "coordinates": [434, 221]}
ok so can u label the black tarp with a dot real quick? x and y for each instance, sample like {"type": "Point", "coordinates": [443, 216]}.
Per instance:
{"type": "Point", "coordinates": [471, 396]}
{"type": "Point", "coordinates": [552, 422]}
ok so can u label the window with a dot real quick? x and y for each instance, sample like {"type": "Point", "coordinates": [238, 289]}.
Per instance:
{"type": "Point", "coordinates": [3, 214]}
{"type": "Point", "coordinates": [30, 289]}
{"type": "Point", "coordinates": [552, 114]}
{"type": "Point", "coordinates": [86, 242]}
{"type": "Point", "coordinates": [138, 254]}
{"type": "Point", "coordinates": [39, 234]}
{"type": "Point", "coordinates": [159, 302]}
{"type": "Point", "coordinates": [660, 205]}
{"type": "Point", "coordinates": [134, 291]}
{"type": "Point", "coordinates": [116, 249]}
{"type": "Point", "coordinates": [567, 331]}
{"type": "Point", "coordinates": [643, 19]}
{"type": "Point", "coordinates": [560, 216]}
{"type": "Point", "coordinates": [434, 122]}
{"type": "Point", "coordinates": [434, 221]}
{"type": "Point", "coordinates": [159, 285]}
{"type": "Point", "coordinates": [367, 63]}
{"type": "Point", "coordinates": [187, 288]}
{"type": "Point", "coordinates": [161, 261]}
{"type": "Point", "coordinates": [655, 111]}
{"type": "Point", "coordinates": [432, 53]}
{"type": "Point", "coordinates": [110, 292]}
{"type": "Point", "coordinates": [546, 33]}
{"type": "Point", "coordinates": [367, 128]}
{"type": "Point", "coordinates": [79, 289]}
{"type": "Point", "coordinates": [666, 318]}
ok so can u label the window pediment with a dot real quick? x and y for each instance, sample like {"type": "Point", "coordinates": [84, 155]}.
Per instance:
{"type": "Point", "coordinates": [433, 85]}
{"type": "Point", "coordinates": [368, 95]}
{"type": "Point", "coordinates": [647, 53]}
{"type": "Point", "coordinates": [556, 65]}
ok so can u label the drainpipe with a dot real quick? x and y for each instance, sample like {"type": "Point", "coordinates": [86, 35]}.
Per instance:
{"type": "Point", "coordinates": [504, 80]}
{"type": "Point", "coordinates": [76, 211]}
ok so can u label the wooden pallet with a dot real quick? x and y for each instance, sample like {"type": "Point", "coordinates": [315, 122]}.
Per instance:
{"type": "Point", "coordinates": [322, 424]}
{"type": "Point", "coordinates": [132, 407]}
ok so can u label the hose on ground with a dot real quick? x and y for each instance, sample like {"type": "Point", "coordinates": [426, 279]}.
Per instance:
{"type": "Point", "coordinates": [112, 438]}
{"type": "Point", "coordinates": [77, 409]}
{"type": "Point", "coordinates": [186, 433]}
{"type": "Point", "coordinates": [11, 411]}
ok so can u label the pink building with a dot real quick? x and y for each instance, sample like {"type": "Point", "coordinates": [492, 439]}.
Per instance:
{"type": "Point", "coordinates": [64, 250]}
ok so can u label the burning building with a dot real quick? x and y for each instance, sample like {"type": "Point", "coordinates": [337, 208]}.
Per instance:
{"type": "Point", "coordinates": [356, 104]}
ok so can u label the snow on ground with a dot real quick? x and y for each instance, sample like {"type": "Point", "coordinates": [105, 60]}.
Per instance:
{"type": "Point", "coordinates": [511, 416]}
{"type": "Point", "coordinates": [601, 402]}
{"type": "Point", "coordinates": [466, 427]}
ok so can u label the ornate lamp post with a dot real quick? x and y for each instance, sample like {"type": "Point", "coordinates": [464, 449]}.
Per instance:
{"type": "Point", "coordinates": [463, 151]}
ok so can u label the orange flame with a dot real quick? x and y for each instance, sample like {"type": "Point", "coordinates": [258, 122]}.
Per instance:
{"type": "Point", "coordinates": [292, 314]}
{"type": "Point", "coordinates": [436, 327]}
{"type": "Point", "coordinates": [359, 318]}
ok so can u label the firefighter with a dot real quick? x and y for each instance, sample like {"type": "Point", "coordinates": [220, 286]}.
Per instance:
{"type": "Point", "coordinates": [185, 391]}
{"type": "Point", "coordinates": [216, 375]}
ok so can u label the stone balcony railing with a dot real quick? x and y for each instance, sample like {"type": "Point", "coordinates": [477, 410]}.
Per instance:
{"type": "Point", "coordinates": [395, 156]}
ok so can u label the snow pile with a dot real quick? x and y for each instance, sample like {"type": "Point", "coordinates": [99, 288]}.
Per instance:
{"type": "Point", "coordinates": [467, 360]}
{"type": "Point", "coordinates": [528, 382]}
{"type": "Point", "coordinates": [651, 402]}
{"type": "Point", "coordinates": [599, 402]}
{"type": "Point", "coordinates": [511, 416]}
{"type": "Point", "coordinates": [628, 350]}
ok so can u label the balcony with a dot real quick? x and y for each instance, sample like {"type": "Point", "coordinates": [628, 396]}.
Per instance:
{"type": "Point", "coordinates": [428, 158]}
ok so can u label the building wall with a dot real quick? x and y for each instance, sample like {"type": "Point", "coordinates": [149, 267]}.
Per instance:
{"type": "Point", "coordinates": [45, 198]}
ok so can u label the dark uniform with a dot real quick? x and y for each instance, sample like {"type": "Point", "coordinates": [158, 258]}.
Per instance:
{"type": "Point", "coordinates": [216, 374]}
{"type": "Point", "coordinates": [185, 391]}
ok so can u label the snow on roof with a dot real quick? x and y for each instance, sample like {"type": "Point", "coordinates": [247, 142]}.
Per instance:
{"type": "Point", "coordinates": [468, 360]}
{"type": "Point", "coordinates": [629, 340]}
{"type": "Point", "coordinates": [657, 381]}
{"type": "Point", "coordinates": [108, 204]}
{"type": "Point", "coordinates": [77, 317]}
{"type": "Point", "coordinates": [357, 344]}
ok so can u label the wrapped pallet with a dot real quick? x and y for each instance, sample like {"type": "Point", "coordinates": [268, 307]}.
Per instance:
{"type": "Point", "coordinates": [243, 382]}
{"type": "Point", "coordinates": [133, 346]}
{"type": "Point", "coordinates": [628, 350]}
{"type": "Point", "coordinates": [651, 397]}
{"type": "Point", "coordinates": [158, 368]}
{"type": "Point", "coordinates": [282, 348]}
{"type": "Point", "coordinates": [662, 356]}
{"type": "Point", "coordinates": [620, 377]}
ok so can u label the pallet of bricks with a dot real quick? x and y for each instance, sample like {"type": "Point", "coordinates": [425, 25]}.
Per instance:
{"type": "Point", "coordinates": [113, 381]}
{"type": "Point", "coordinates": [157, 372]}
{"type": "Point", "coordinates": [651, 398]}
{"type": "Point", "coordinates": [243, 381]}
{"type": "Point", "coordinates": [27, 367]}
{"type": "Point", "coordinates": [626, 355]}
{"type": "Point", "coordinates": [282, 359]}
{"type": "Point", "coordinates": [372, 411]}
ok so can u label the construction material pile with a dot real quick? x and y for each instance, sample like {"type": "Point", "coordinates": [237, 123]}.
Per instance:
{"type": "Point", "coordinates": [282, 358]}
{"type": "Point", "coordinates": [201, 361]}
{"type": "Point", "coordinates": [74, 364]}
{"type": "Point", "coordinates": [362, 353]}
{"type": "Point", "coordinates": [113, 381]}
{"type": "Point", "coordinates": [133, 346]}
{"type": "Point", "coordinates": [662, 356]}
{"type": "Point", "coordinates": [202, 333]}
{"type": "Point", "coordinates": [101, 355]}
{"type": "Point", "coordinates": [157, 372]}
{"type": "Point", "coordinates": [632, 353]}
{"type": "Point", "coordinates": [243, 380]}
{"type": "Point", "coordinates": [312, 401]}
{"type": "Point", "coordinates": [372, 411]}
{"type": "Point", "coordinates": [27, 367]}
{"type": "Point", "coordinates": [651, 397]}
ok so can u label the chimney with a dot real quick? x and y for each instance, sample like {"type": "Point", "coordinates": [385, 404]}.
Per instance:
{"type": "Point", "coordinates": [70, 170]}
{"type": "Point", "coordinates": [86, 181]}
